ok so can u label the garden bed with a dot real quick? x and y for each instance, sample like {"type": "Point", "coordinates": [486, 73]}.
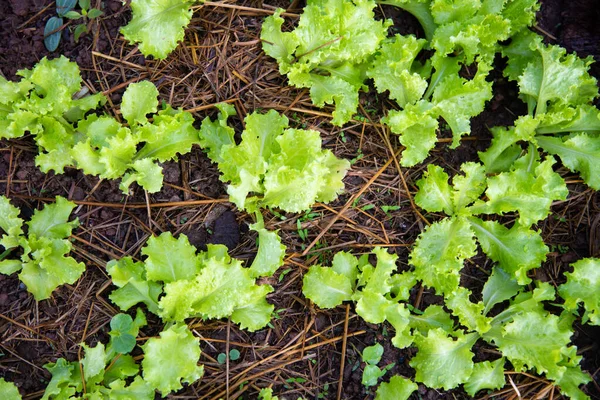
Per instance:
{"type": "Point", "coordinates": [305, 351]}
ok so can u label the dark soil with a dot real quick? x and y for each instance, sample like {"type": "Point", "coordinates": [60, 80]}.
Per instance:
{"type": "Point", "coordinates": [33, 334]}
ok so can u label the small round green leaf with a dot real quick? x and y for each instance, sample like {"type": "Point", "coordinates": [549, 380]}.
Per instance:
{"type": "Point", "coordinates": [123, 342]}
{"type": "Point", "coordinates": [121, 323]}
{"type": "Point", "coordinates": [221, 358]}
{"type": "Point", "coordinates": [234, 354]}
{"type": "Point", "coordinates": [84, 4]}
{"type": "Point", "coordinates": [51, 40]}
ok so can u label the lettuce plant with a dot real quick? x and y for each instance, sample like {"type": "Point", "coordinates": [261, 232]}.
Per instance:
{"type": "Point", "coordinates": [561, 120]}
{"type": "Point", "coordinates": [111, 372]}
{"type": "Point", "coordinates": [43, 104]}
{"type": "Point", "coordinates": [286, 166]}
{"type": "Point", "coordinates": [328, 52]}
{"type": "Point", "coordinates": [207, 284]}
{"type": "Point", "coordinates": [43, 262]}
{"type": "Point", "coordinates": [526, 335]}
{"type": "Point", "coordinates": [336, 47]}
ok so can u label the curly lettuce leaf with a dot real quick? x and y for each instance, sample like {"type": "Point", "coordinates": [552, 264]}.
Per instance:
{"type": "Point", "coordinates": [443, 362]}
{"type": "Point", "coordinates": [146, 173]}
{"type": "Point", "coordinates": [417, 126]}
{"type": "Point", "coordinates": [534, 340]}
{"type": "Point", "coordinates": [392, 69]}
{"type": "Point", "coordinates": [469, 314]}
{"type": "Point", "coordinates": [433, 317]}
{"type": "Point", "coordinates": [468, 187]}
{"type": "Point", "coordinates": [215, 292]}
{"type": "Point", "coordinates": [454, 98]}
{"type": "Point", "coordinates": [133, 286]}
{"type": "Point", "coordinates": [434, 193]}
{"type": "Point", "coordinates": [270, 252]}
{"type": "Point", "coordinates": [139, 100]}
{"type": "Point", "coordinates": [216, 134]}
{"type": "Point", "coordinates": [158, 25]}
{"type": "Point", "coordinates": [582, 287]}
{"type": "Point", "coordinates": [486, 375]}
{"type": "Point", "coordinates": [93, 363]}
{"type": "Point", "coordinates": [66, 380]}
{"type": "Point", "coordinates": [516, 250]}
{"type": "Point", "coordinates": [563, 78]}
{"type": "Point", "coordinates": [10, 224]}
{"type": "Point", "coordinates": [529, 188]}
{"type": "Point", "coordinates": [9, 391]}
{"type": "Point", "coordinates": [52, 221]}
{"type": "Point", "coordinates": [325, 287]}
{"type": "Point", "coordinates": [578, 152]}
{"type": "Point", "coordinates": [171, 132]}
{"type": "Point", "coordinates": [253, 316]}
{"type": "Point", "coordinates": [439, 253]}
{"type": "Point", "coordinates": [46, 91]}
{"type": "Point", "coordinates": [162, 266]}
{"type": "Point", "coordinates": [137, 389]}
{"type": "Point", "coordinates": [398, 388]}
{"type": "Point", "coordinates": [172, 359]}
{"type": "Point", "coordinates": [46, 266]}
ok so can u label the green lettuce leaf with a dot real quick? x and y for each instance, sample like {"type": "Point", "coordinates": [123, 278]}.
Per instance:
{"type": "Point", "coordinates": [499, 287]}
{"type": "Point", "coordinates": [52, 221]}
{"type": "Point", "coordinates": [133, 286]}
{"type": "Point", "coordinates": [469, 314]}
{"type": "Point", "coordinates": [216, 134]}
{"type": "Point", "coordinates": [157, 25]}
{"type": "Point", "coordinates": [270, 252]}
{"type": "Point", "coordinates": [138, 389]}
{"type": "Point", "coordinates": [563, 78]}
{"type": "Point", "coordinates": [161, 265]}
{"type": "Point", "coordinates": [66, 380]}
{"type": "Point", "coordinates": [392, 69]}
{"type": "Point", "coordinates": [326, 287]}
{"type": "Point", "coordinates": [439, 253]}
{"type": "Point", "coordinates": [172, 359]}
{"type": "Point", "coordinates": [139, 100]}
{"type": "Point", "coordinates": [46, 266]}
{"type": "Point", "coordinates": [516, 250]}
{"type": "Point", "coordinates": [529, 188]}
{"type": "Point", "coordinates": [578, 152]}
{"type": "Point", "coordinates": [93, 363]}
{"type": "Point", "coordinates": [215, 292]}
{"type": "Point", "coordinates": [398, 388]}
{"type": "Point", "coordinates": [434, 193]}
{"type": "Point", "coordinates": [433, 317]}
{"type": "Point", "coordinates": [533, 340]}
{"type": "Point", "coordinates": [10, 224]}
{"type": "Point", "coordinates": [486, 375]}
{"type": "Point", "coordinates": [455, 99]}
{"type": "Point", "coordinates": [441, 361]}
{"type": "Point", "coordinates": [582, 287]}
{"type": "Point", "coordinates": [9, 391]}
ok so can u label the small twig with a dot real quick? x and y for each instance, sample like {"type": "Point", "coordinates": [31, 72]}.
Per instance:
{"type": "Point", "coordinates": [343, 361]}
